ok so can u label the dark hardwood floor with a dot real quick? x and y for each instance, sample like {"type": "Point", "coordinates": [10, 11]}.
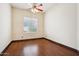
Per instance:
{"type": "Point", "coordinates": [37, 47]}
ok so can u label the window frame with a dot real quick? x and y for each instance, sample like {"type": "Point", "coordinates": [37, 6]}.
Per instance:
{"type": "Point", "coordinates": [31, 18]}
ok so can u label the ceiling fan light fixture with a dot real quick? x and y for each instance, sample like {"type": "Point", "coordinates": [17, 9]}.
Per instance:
{"type": "Point", "coordinates": [40, 7]}
{"type": "Point", "coordinates": [37, 8]}
{"type": "Point", "coordinates": [34, 10]}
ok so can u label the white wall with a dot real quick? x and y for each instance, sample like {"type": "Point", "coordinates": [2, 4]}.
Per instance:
{"type": "Point", "coordinates": [5, 26]}
{"type": "Point", "coordinates": [78, 26]}
{"type": "Point", "coordinates": [60, 24]}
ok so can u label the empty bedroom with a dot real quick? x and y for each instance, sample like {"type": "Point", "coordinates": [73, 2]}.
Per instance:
{"type": "Point", "coordinates": [39, 29]}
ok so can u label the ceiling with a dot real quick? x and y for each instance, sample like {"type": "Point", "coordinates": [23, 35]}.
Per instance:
{"type": "Point", "coordinates": [47, 6]}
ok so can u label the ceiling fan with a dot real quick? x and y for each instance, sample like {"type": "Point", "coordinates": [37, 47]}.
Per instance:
{"type": "Point", "coordinates": [37, 7]}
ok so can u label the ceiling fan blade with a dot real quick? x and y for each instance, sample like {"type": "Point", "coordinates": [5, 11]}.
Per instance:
{"type": "Point", "coordinates": [36, 7]}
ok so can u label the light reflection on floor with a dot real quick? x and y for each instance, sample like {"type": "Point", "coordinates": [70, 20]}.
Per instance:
{"type": "Point", "coordinates": [30, 50]}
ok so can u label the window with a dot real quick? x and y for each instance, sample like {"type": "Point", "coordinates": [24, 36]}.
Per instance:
{"type": "Point", "coordinates": [30, 24]}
